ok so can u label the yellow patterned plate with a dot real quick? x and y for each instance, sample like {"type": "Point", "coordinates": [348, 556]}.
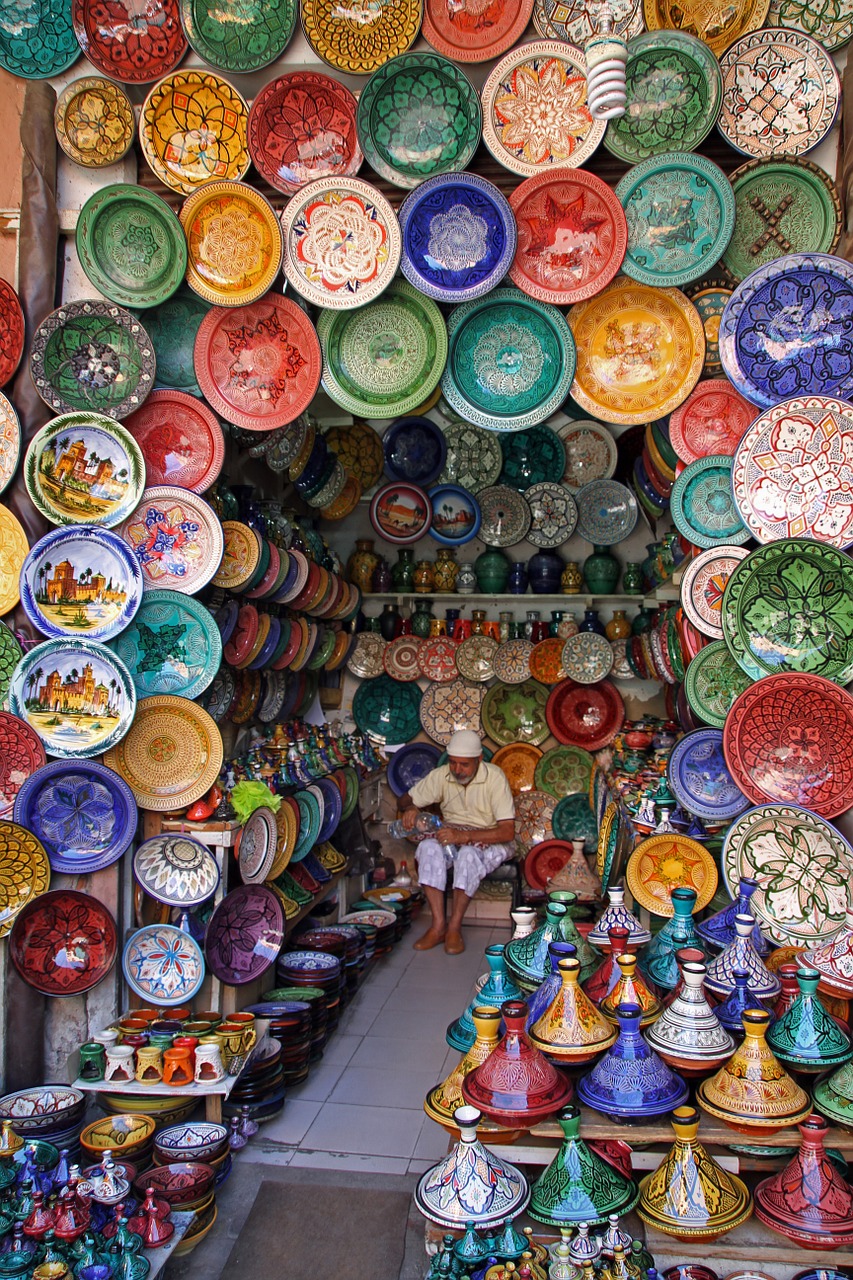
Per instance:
{"type": "Point", "coordinates": [717, 22]}
{"type": "Point", "coordinates": [240, 558]}
{"type": "Point", "coordinates": [665, 862]}
{"type": "Point", "coordinates": [171, 755]}
{"type": "Point", "coordinates": [640, 352]}
{"type": "Point", "coordinates": [193, 129]}
{"type": "Point", "coordinates": [24, 872]}
{"type": "Point", "coordinates": [94, 122]}
{"type": "Point", "coordinates": [358, 36]}
{"type": "Point", "coordinates": [234, 241]}
{"type": "Point", "coordinates": [14, 549]}
{"type": "Point", "coordinates": [287, 828]}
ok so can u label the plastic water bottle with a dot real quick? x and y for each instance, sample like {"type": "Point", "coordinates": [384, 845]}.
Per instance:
{"type": "Point", "coordinates": [425, 824]}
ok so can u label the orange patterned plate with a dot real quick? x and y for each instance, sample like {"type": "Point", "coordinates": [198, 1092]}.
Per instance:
{"type": "Point", "coordinates": [240, 557]}
{"type": "Point", "coordinates": [234, 242]}
{"type": "Point", "coordinates": [546, 661]}
{"type": "Point", "coordinates": [518, 761]}
{"type": "Point", "coordinates": [171, 755]}
{"type": "Point", "coordinates": [663, 863]}
{"type": "Point", "coordinates": [192, 129]}
{"type": "Point", "coordinates": [437, 660]}
{"type": "Point", "coordinates": [475, 32]}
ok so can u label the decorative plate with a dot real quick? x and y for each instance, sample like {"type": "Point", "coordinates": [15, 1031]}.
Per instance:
{"type": "Point", "coordinates": [11, 336]}
{"type": "Point", "coordinates": [92, 356]}
{"type": "Point", "coordinates": [505, 516]}
{"type": "Point", "coordinates": [586, 716]}
{"type": "Point", "coordinates": [574, 23]}
{"type": "Point", "coordinates": [310, 821]}
{"type": "Point", "coordinates": [21, 754]}
{"type": "Point", "coordinates": [176, 870]}
{"type": "Point", "coordinates": [176, 537]}
{"type": "Point", "coordinates": [163, 964]}
{"type": "Point", "coordinates": [181, 440]}
{"type": "Point", "coordinates": [544, 861]}
{"type": "Point", "coordinates": [546, 661]}
{"type": "Point", "coordinates": [699, 779]}
{"type": "Point", "coordinates": [710, 301]}
{"type": "Point", "coordinates": [387, 709]}
{"type": "Point", "coordinates": [172, 755]}
{"type": "Point", "coordinates": [359, 448]}
{"type": "Point", "coordinates": [666, 862]}
{"type": "Point", "coordinates": [81, 581]}
{"type": "Point", "coordinates": [10, 650]}
{"type": "Point", "coordinates": [40, 46]}
{"type": "Point", "coordinates": [531, 457]}
{"type": "Point", "coordinates": [591, 452]}
{"type": "Point", "coordinates": [302, 127]}
{"type": "Point", "coordinates": [712, 683]}
{"type": "Point", "coordinates": [342, 242]}
{"type": "Point", "coordinates": [130, 245]}
{"type": "Point", "coordinates": [385, 359]}
{"type": "Point", "coordinates": [459, 237]}
{"type": "Point", "coordinates": [83, 814]}
{"type": "Point", "coordinates": [172, 328]}
{"type": "Point", "coordinates": [477, 35]}
{"type": "Point", "coordinates": [455, 515]}
{"type": "Point", "coordinates": [533, 813]}
{"type": "Point", "coordinates": [258, 844]}
{"type": "Point", "coordinates": [718, 24]}
{"type": "Point", "coordinates": [244, 935]}
{"type": "Point", "coordinates": [86, 702]}
{"type": "Point", "coordinates": [358, 41]}
{"type": "Point", "coordinates": [241, 39]}
{"type": "Point", "coordinates": [437, 659]}
{"type": "Point", "coordinates": [172, 645]}
{"type": "Point", "coordinates": [414, 450]}
{"type": "Point", "coordinates": [64, 943]}
{"type": "Point", "coordinates": [401, 513]}
{"type": "Point", "coordinates": [400, 658]}
{"type": "Point", "coordinates": [789, 607]}
{"type": "Point", "coordinates": [83, 468]}
{"type": "Point", "coordinates": [703, 508]}
{"type": "Point", "coordinates": [801, 111]}
{"type": "Point", "coordinates": [474, 457]}
{"type": "Point", "coordinates": [13, 553]}
{"type": "Point", "coordinates": [367, 657]}
{"type": "Point", "coordinates": [782, 206]}
{"type": "Point", "coordinates": [803, 867]}
{"type": "Point", "coordinates": [711, 421]}
{"type": "Point", "coordinates": [553, 513]}
{"type": "Point", "coordinates": [564, 771]}
{"type": "Point", "coordinates": [518, 762]}
{"type": "Point", "coordinates": [516, 713]}
{"type": "Point", "coordinates": [408, 765]}
{"type": "Point", "coordinates": [418, 116]}
{"type": "Point", "coordinates": [234, 244]}
{"type": "Point", "coordinates": [512, 661]}
{"type": "Point", "coordinates": [703, 582]}
{"type": "Point", "coordinates": [535, 113]}
{"type": "Point", "coordinates": [128, 43]}
{"type": "Point", "coordinates": [24, 872]}
{"type": "Point", "coordinates": [448, 707]}
{"type": "Point", "coordinates": [241, 556]}
{"type": "Point", "coordinates": [695, 198]}
{"type": "Point", "coordinates": [94, 122]}
{"type": "Point", "coordinates": [675, 91]}
{"type": "Point", "coordinates": [640, 352]}
{"type": "Point", "coordinates": [587, 657]}
{"type": "Point", "coordinates": [475, 658]}
{"type": "Point", "coordinates": [831, 29]}
{"type": "Point", "coordinates": [787, 741]}
{"type": "Point", "coordinates": [193, 129]}
{"type": "Point", "coordinates": [573, 819]}
{"type": "Point", "coordinates": [607, 512]}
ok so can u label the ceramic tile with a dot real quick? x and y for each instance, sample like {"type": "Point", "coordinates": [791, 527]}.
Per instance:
{"type": "Point", "coordinates": [432, 1142]}
{"type": "Point", "coordinates": [340, 1048]}
{"type": "Point", "coordinates": [270, 1153]}
{"type": "Point", "coordinates": [403, 1054]}
{"type": "Point", "coordinates": [431, 1000]}
{"type": "Point", "coordinates": [382, 1131]}
{"type": "Point", "coordinates": [377, 1086]}
{"type": "Point", "coordinates": [290, 1126]}
{"type": "Point", "coordinates": [348, 1162]}
{"type": "Point", "coordinates": [410, 1024]}
{"type": "Point", "coordinates": [357, 1021]}
{"type": "Point", "coordinates": [322, 1079]}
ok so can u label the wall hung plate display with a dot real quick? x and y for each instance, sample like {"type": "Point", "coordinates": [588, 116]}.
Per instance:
{"type": "Point", "coordinates": [437, 659]}
{"type": "Point", "coordinates": [13, 552]}
{"type": "Point", "coordinates": [128, 45]}
{"type": "Point", "coordinates": [11, 332]}
{"type": "Point", "coordinates": [546, 661]}
{"type": "Point", "coordinates": [342, 242]}
{"type": "Point", "coordinates": [640, 352]}
{"type": "Point", "coordinates": [245, 934]}
{"type": "Point", "coordinates": [24, 872]}
{"type": "Point", "coordinates": [587, 716]}
{"type": "Point", "coordinates": [176, 870]}
{"type": "Point", "coordinates": [181, 440]}
{"type": "Point", "coordinates": [512, 661]}
{"type": "Point", "coordinates": [832, 29]}
{"type": "Point", "coordinates": [700, 780]}
{"type": "Point", "coordinates": [703, 582]}
{"type": "Point", "coordinates": [518, 762]}
{"type": "Point", "coordinates": [475, 658]}
{"type": "Point", "coordinates": [516, 713]}
{"type": "Point", "coordinates": [533, 813]}
{"type": "Point", "coordinates": [564, 771]}
{"type": "Point", "coordinates": [64, 943]}
{"type": "Point", "coordinates": [719, 24]}
{"type": "Point", "coordinates": [258, 844]}
{"type": "Point", "coordinates": [510, 362]}
{"type": "Point", "coordinates": [455, 515]}
{"type": "Point", "coordinates": [712, 682]}
{"type": "Point", "coordinates": [94, 122]}
{"type": "Point", "coordinates": [42, 47]}
{"type": "Point", "coordinates": [459, 237]}
{"type": "Point", "coordinates": [193, 129]}
{"type": "Point", "coordinates": [172, 755]}
{"type": "Point", "coordinates": [590, 450]}
{"type": "Point", "coordinates": [700, 218]}
{"type": "Point", "coordinates": [478, 35]}
{"type": "Point", "coordinates": [535, 112]}
{"type": "Point", "coordinates": [359, 448]}
{"type": "Point", "coordinates": [83, 468]}
{"type": "Point", "coordinates": [83, 813]}
{"type": "Point", "coordinates": [662, 863]}
{"type": "Point", "coordinates": [415, 450]}
{"type": "Point", "coordinates": [607, 512]}
{"type": "Point", "coordinates": [21, 754]}
{"type": "Point", "coordinates": [81, 581]}
{"type": "Point", "coordinates": [587, 657]}
{"type": "Point", "coordinates": [366, 657]}
{"type": "Point", "coordinates": [347, 42]}
{"type": "Point", "coordinates": [401, 513]}
{"type": "Point", "coordinates": [400, 658]}
{"type": "Point", "coordinates": [172, 645]}
{"type": "Point", "coordinates": [177, 538]}
{"type": "Point", "coordinates": [531, 457]}
{"type": "Point", "coordinates": [302, 127]}
{"type": "Point", "coordinates": [241, 40]}
{"type": "Point", "coordinates": [711, 421]}
{"type": "Point", "coordinates": [709, 300]}
{"type": "Point", "coordinates": [130, 245]}
{"type": "Point", "coordinates": [702, 506]}
{"type": "Point", "coordinates": [411, 763]}
{"type": "Point", "coordinates": [385, 359]}
{"type": "Point", "coordinates": [553, 513]}
{"type": "Point", "coordinates": [387, 709]}
{"type": "Point", "coordinates": [172, 328]}
{"type": "Point", "coordinates": [474, 456]}
{"type": "Point", "coordinates": [234, 243]}
{"type": "Point", "coordinates": [418, 116]}
{"type": "Point", "coordinates": [92, 356]}
{"type": "Point", "coordinates": [448, 707]}
{"type": "Point", "coordinates": [505, 516]}
{"type": "Point", "coordinates": [163, 964]}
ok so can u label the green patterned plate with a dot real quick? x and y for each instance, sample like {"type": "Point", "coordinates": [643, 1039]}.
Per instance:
{"type": "Point", "coordinates": [532, 457]}
{"type": "Point", "coordinates": [418, 116]}
{"type": "Point", "coordinates": [384, 359]}
{"type": "Point", "coordinates": [511, 361]}
{"type": "Point", "coordinates": [83, 468]}
{"type": "Point", "coordinates": [703, 507]}
{"type": "Point", "coordinates": [564, 770]}
{"type": "Point", "coordinates": [474, 456]}
{"type": "Point", "coordinates": [681, 215]}
{"type": "Point", "coordinates": [675, 92]}
{"type": "Point", "coordinates": [830, 24]}
{"type": "Point", "coordinates": [515, 713]}
{"type": "Point", "coordinates": [573, 819]}
{"type": "Point", "coordinates": [10, 655]}
{"type": "Point", "coordinates": [172, 328]}
{"type": "Point", "coordinates": [239, 35]}
{"type": "Point", "coordinates": [387, 709]}
{"type": "Point", "coordinates": [131, 246]}
{"type": "Point", "coordinates": [712, 683]}
{"type": "Point", "coordinates": [93, 356]}
{"type": "Point", "coordinates": [173, 645]}
{"type": "Point", "coordinates": [789, 607]}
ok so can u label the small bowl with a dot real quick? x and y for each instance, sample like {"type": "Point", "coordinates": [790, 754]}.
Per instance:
{"type": "Point", "coordinates": [125, 1134]}
{"type": "Point", "coordinates": [178, 1183]}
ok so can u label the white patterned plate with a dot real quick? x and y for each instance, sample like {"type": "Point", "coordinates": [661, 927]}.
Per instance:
{"type": "Point", "coordinates": [553, 513]}
{"type": "Point", "coordinates": [512, 661]}
{"type": "Point", "coordinates": [475, 658]}
{"type": "Point", "coordinates": [590, 452]}
{"type": "Point", "coordinates": [703, 583]}
{"type": "Point", "coordinates": [587, 657]}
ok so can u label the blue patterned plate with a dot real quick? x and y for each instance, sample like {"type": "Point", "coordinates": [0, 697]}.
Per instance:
{"type": "Point", "coordinates": [81, 581]}
{"type": "Point", "coordinates": [163, 965]}
{"type": "Point", "coordinates": [455, 514]}
{"type": "Point", "coordinates": [510, 361]}
{"type": "Point", "coordinates": [83, 813]}
{"type": "Point", "coordinates": [703, 505]}
{"type": "Point", "coordinates": [415, 450]}
{"type": "Point", "coordinates": [607, 512]}
{"type": "Point", "coordinates": [411, 763]}
{"type": "Point", "coordinates": [786, 330]}
{"type": "Point", "coordinates": [333, 806]}
{"type": "Point", "coordinates": [309, 961]}
{"type": "Point", "coordinates": [173, 645]}
{"type": "Point", "coordinates": [310, 820]}
{"type": "Point", "coordinates": [459, 237]}
{"type": "Point", "coordinates": [700, 780]}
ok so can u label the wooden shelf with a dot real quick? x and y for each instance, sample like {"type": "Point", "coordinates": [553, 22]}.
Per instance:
{"type": "Point", "coordinates": [527, 599]}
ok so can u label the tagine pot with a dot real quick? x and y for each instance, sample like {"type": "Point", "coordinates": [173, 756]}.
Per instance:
{"type": "Point", "coordinates": [833, 1098]}
{"type": "Point", "coordinates": [752, 1090]}
{"type": "Point", "coordinates": [547, 990]}
{"type": "Point", "coordinates": [718, 931]}
{"type": "Point", "coordinates": [807, 1038]}
{"type": "Point", "coordinates": [740, 998]}
{"type": "Point", "coordinates": [495, 991]}
{"type": "Point", "coordinates": [631, 1081]}
{"type": "Point", "coordinates": [741, 954]}
{"type": "Point", "coordinates": [834, 962]}
{"type": "Point", "coordinates": [688, 1035]}
{"type": "Point", "coordinates": [630, 989]}
{"type": "Point", "coordinates": [576, 876]}
{"type": "Point", "coordinates": [571, 1029]}
{"type": "Point", "coordinates": [808, 1202]}
{"type": "Point", "coordinates": [608, 972]}
{"type": "Point", "coordinates": [658, 961]}
{"type": "Point", "coordinates": [471, 1183]}
{"type": "Point", "coordinates": [588, 955]}
{"type": "Point", "coordinates": [516, 1086]}
{"type": "Point", "coordinates": [442, 1102]}
{"type": "Point", "coordinates": [578, 1185]}
{"type": "Point", "coordinates": [616, 913]}
{"type": "Point", "coordinates": [690, 1196]}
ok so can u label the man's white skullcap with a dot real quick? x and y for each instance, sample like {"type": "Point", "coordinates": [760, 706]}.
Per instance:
{"type": "Point", "coordinates": [465, 744]}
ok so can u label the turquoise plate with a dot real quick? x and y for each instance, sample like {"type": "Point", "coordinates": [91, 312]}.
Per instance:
{"type": "Point", "coordinates": [172, 328]}
{"type": "Point", "coordinates": [532, 457]}
{"type": "Point", "coordinates": [510, 363]}
{"type": "Point", "coordinates": [37, 38]}
{"type": "Point", "coordinates": [173, 645]}
{"type": "Point", "coordinates": [310, 821]}
{"type": "Point", "coordinates": [703, 506]}
{"type": "Point", "coordinates": [573, 819]}
{"type": "Point", "coordinates": [681, 214]}
{"type": "Point", "coordinates": [388, 709]}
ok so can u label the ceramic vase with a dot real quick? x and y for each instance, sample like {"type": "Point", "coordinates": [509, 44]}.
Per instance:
{"type": "Point", "coordinates": [571, 1029]}
{"type": "Point", "coordinates": [495, 991]}
{"type": "Point", "coordinates": [578, 1185]}
{"type": "Point", "coordinates": [403, 572]}
{"type": "Point", "coordinates": [549, 988]}
{"type": "Point", "coordinates": [591, 622]}
{"type": "Point", "coordinates": [362, 563]}
{"type": "Point", "coordinates": [492, 571]}
{"type": "Point", "coordinates": [571, 579]}
{"type": "Point", "coordinates": [516, 1086]}
{"type": "Point", "coordinates": [618, 628]}
{"type": "Point", "coordinates": [616, 913]}
{"type": "Point", "coordinates": [688, 1035]}
{"type": "Point", "coordinates": [737, 1002]}
{"type": "Point", "coordinates": [808, 1202]}
{"type": "Point", "coordinates": [834, 962]}
{"type": "Point", "coordinates": [442, 1102]}
{"type": "Point", "coordinates": [719, 930]}
{"type": "Point", "coordinates": [689, 1195]}
{"type": "Point", "coordinates": [753, 1090]}
{"type": "Point", "coordinates": [601, 572]}
{"type": "Point", "coordinates": [658, 961]}
{"type": "Point", "coordinates": [632, 578]}
{"type": "Point", "coordinates": [631, 1080]}
{"type": "Point", "coordinates": [445, 570]}
{"type": "Point", "coordinates": [544, 570]}
{"type": "Point", "coordinates": [422, 618]}
{"type": "Point", "coordinates": [381, 581]}
{"type": "Point", "coordinates": [466, 579]}
{"type": "Point", "coordinates": [516, 583]}
{"type": "Point", "coordinates": [608, 972]}
{"type": "Point", "coordinates": [471, 1183]}
{"type": "Point", "coordinates": [423, 577]}
{"type": "Point", "coordinates": [741, 954]}
{"type": "Point", "coordinates": [630, 989]}
{"type": "Point", "coordinates": [807, 1038]}
{"type": "Point", "coordinates": [390, 622]}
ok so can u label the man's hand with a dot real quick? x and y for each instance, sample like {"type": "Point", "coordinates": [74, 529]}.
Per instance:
{"type": "Point", "coordinates": [410, 817]}
{"type": "Point", "coordinates": [451, 835]}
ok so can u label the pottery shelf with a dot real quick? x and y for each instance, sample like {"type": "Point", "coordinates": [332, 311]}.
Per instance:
{"type": "Point", "coordinates": [408, 598]}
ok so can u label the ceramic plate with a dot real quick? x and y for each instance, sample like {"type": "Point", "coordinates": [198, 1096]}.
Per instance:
{"type": "Point", "coordinates": [418, 116]}
{"type": "Point", "coordinates": [546, 661]}
{"type": "Point", "coordinates": [518, 762]}
{"type": "Point", "coordinates": [590, 452]}
{"type": "Point", "coordinates": [703, 582]}
{"type": "Point", "coordinates": [258, 844]}
{"type": "Point", "coordinates": [505, 516]}
{"type": "Point", "coordinates": [718, 25]}
{"type": "Point", "coordinates": [710, 299]}
{"type": "Point", "coordinates": [176, 537]}
{"type": "Point", "coordinates": [21, 754]}
{"type": "Point", "coordinates": [163, 965]}
{"type": "Point", "coordinates": [83, 814]}
{"type": "Point", "coordinates": [342, 242]}
{"type": "Point", "coordinates": [11, 333]}
{"type": "Point", "coordinates": [414, 450]}
{"type": "Point", "coordinates": [408, 765]}
{"type": "Point", "coordinates": [448, 707]}
{"type": "Point", "coordinates": [234, 243]}
{"type": "Point", "coordinates": [512, 661]}
{"type": "Point", "coordinates": [587, 657]}
{"type": "Point", "coordinates": [172, 755]}
{"type": "Point", "coordinates": [640, 352]}
{"type": "Point", "coordinates": [302, 127]}
{"type": "Point", "coordinates": [478, 35]}
{"type": "Point", "coordinates": [437, 659]}
{"type": "Point", "coordinates": [24, 872]}
{"type": "Point", "coordinates": [535, 113]}
{"type": "Point", "coordinates": [366, 658]}
{"type": "Point", "coordinates": [94, 122]}
{"type": "Point", "coordinates": [459, 237]}
{"type": "Point", "coordinates": [553, 513]}
{"type": "Point", "coordinates": [83, 468]}
{"type": "Point", "coordinates": [384, 360]}
{"type": "Point", "coordinates": [712, 420]}
{"type": "Point", "coordinates": [510, 363]}
{"type": "Point", "coordinates": [802, 110]}
{"type": "Point", "coordinates": [81, 582]}
{"type": "Point", "coordinates": [531, 457]}
{"type": "Point", "coordinates": [172, 328]}
{"type": "Point", "coordinates": [475, 658]}
{"type": "Point", "coordinates": [245, 934]}
{"type": "Point", "coordinates": [803, 867]}
{"type": "Point", "coordinates": [13, 552]}
{"type": "Point", "coordinates": [43, 46]}
{"type": "Point", "coordinates": [76, 695]}
{"type": "Point", "coordinates": [564, 771]}
{"type": "Point", "coordinates": [607, 512]}
{"type": "Point", "coordinates": [127, 44]}
{"type": "Point", "coordinates": [533, 813]}
{"type": "Point", "coordinates": [359, 448]}
{"type": "Point", "coordinates": [131, 246]}
{"type": "Point", "coordinates": [401, 513]}
{"type": "Point", "coordinates": [455, 515]}
{"type": "Point", "coordinates": [703, 508]}
{"type": "Point", "coordinates": [782, 206]}
{"type": "Point", "coordinates": [242, 40]}
{"type": "Point", "coordinates": [181, 440]}
{"type": "Point", "coordinates": [176, 870]}
{"type": "Point", "coordinates": [587, 716]}
{"type": "Point", "coordinates": [516, 713]}
{"type": "Point", "coordinates": [387, 709]}
{"type": "Point", "coordinates": [400, 658]}
{"type": "Point", "coordinates": [573, 819]}
{"type": "Point", "coordinates": [699, 779]}
{"type": "Point", "coordinates": [357, 41]}
{"type": "Point", "coordinates": [712, 682]}
{"type": "Point", "coordinates": [666, 862]}
{"type": "Point", "coordinates": [575, 23]}
{"type": "Point", "coordinates": [172, 645]}
{"type": "Point", "coordinates": [193, 129]}
{"type": "Point", "coordinates": [92, 356]}
{"type": "Point", "coordinates": [832, 30]}
{"type": "Point", "coordinates": [474, 456]}
{"type": "Point", "coordinates": [64, 943]}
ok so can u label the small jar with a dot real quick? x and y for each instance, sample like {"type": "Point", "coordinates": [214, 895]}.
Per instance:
{"type": "Point", "coordinates": [424, 578]}
{"type": "Point", "coordinates": [533, 616]}
{"type": "Point", "coordinates": [516, 583]}
{"type": "Point", "coordinates": [93, 1060]}
{"type": "Point", "coordinates": [149, 1065]}
{"type": "Point", "coordinates": [504, 626]}
{"type": "Point", "coordinates": [618, 628]}
{"type": "Point", "coordinates": [437, 627]}
{"type": "Point", "coordinates": [421, 618]}
{"type": "Point", "coordinates": [466, 579]}
{"type": "Point", "coordinates": [403, 572]}
{"type": "Point", "coordinates": [592, 622]}
{"type": "Point", "coordinates": [445, 570]}
{"type": "Point", "coordinates": [632, 579]}
{"type": "Point", "coordinates": [119, 1066]}
{"type": "Point", "coordinates": [381, 581]}
{"type": "Point", "coordinates": [571, 579]}
{"type": "Point", "coordinates": [554, 624]}
{"type": "Point", "coordinates": [478, 618]}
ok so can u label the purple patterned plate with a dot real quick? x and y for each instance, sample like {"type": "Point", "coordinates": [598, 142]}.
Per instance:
{"type": "Point", "coordinates": [245, 934]}
{"type": "Point", "coordinates": [83, 813]}
{"type": "Point", "coordinates": [700, 779]}
{"type": "Point", "coordinates": [332, 808]}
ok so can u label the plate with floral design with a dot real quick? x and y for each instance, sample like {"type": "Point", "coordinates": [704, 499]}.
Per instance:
{"type": "Point", "coordinates": [177, 538]}
{"type": "Point", "coordinates": [41, 47]}
{"type": "Point", "coordinates": [700, 780]}
{"type": "Point", "coordinates": [475, 658]}
{"type": "Point", "coordinates": [476, 35]}
{"type": "Point", "coordinates": [172, 645]}
{"type": "Point", "coordinates": [718, 24]}
{"type": "Point", "coordinates": [129, 42]}
{"type": "Point", "coordinates": [94, 122]}
{"type": "Point", "coordinates": [518, 762]}
{"type": "Point", "coordinates": [535, 112]}
{"type": "Point", "coordinates": [666, 862]}
{"type": "Point", "coordinates": [83, 468]}
{"type": "Point", "coordinates": [24, 872]}
{"type": "Point", "coordinates": [176, 870]}
{"type": "Point", "coordinates": [81, 581]}
{"type": "Point", "coordinates": [553, 513]}
{"type": "Point", "coordinates": [587, 657]}
{"type": "Point", "coordinates": [11, 332]}
{"type": "Point", "coordinates": [83, 813]}
{"type": "Point", "coordinates": [437, 659]}
{"type": "Point", "coordinates": [712, 683]}
{"type": "Point", "coordinates": [130, 245]}
{"type": "Point", "coordinates": [93, 356]}
{"type": "Point", "coordinates": [591, 452]}
{"type": "Point", "coordinates": [574, 22]}
{"type": "Point", "coordinates": [712, 420]}
{"type": "Point", "coordinates": [234, 243]}
{"type": "Point", "coordinates": [181, 440]}
{"type": "Point", "coordinates": [546, 661]}
{"type": "Point", "coordinates": [10, 442]}
{"type": "Point", "coordinates": [342, 242]}
{"type": "Point", "coordinates": [448, 707]}
{"type": "Point", "coordinates": [703, 582]}
{"type": "Point", "coordinates": [64, 943]}
{"type": "Point", "coordinates": [302, 127]}
{"type": "Point", "coordinates": [21, 755]}
{"type": "Point", "coordinates": [564, 771]}
{"type": "Point", "coordinates": [163, 964]}
{"type": "Point", "coordinates": [172, 755]}
{"type": "Point", "coordinates": [516, 713]}
{"type": "Point", "coordinates": [367, 656]}
{"type": "Point", "coordinates": [400, 659]}
{"type": "Point", "coordinates": [531, 457]}
{"type": "Point", "coordinates": [193, 129]}
{"type": "Point", "coordinates": [505, 516]}
{"type": "Point", "coordinates": [512, 661]}
{"type": "Point", "coordinates": [359, 40]}
{"type": "Point", "coordinates": [474, 456]}
{"type": "Point", "coordinates": [247, 41]}
{"type": "Point", "coordinates": [533, 813]}
{"type": "Point", "coordinates": [703, 508]}
{"type": "Point", "coordinates": [587, 716]}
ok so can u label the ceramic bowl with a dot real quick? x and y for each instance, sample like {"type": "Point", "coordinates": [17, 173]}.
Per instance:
{"type": "Point", "coordinates": [121, 1134]}
{"type": "Point", "coordinates": [42, 1109]}
{"type": "Point", "coordinates": [177, 1183]}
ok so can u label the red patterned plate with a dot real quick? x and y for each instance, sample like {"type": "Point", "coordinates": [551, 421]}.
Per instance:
{"type": "Point", "coordinates": [11, 332]}
{"type": "Point", "coordinates": [475, 32]}
{"type": "Point", "coordinates": [585, 715]}
{"type": "Point", "coordinates": [572, 236]}
{"type": "Point", "coordinates": [437, 660]}
{"type": "Point", "coordinates": [788, 739]}
{"type": "Point", "coordinates": [546, 661]}
{"type": "Point", "coordinates": [302, 127]}
{"type": "Point", "coordinates": [544, 861]}
{"type": "Point", "coordinates": [400, 658]}
{"type": "Point", "coordinates": [64, 943]}
{"type": "Point", "coordinates": [245, 634]}
{"type": "Point", "coordinates": [128, 40]}
{"type": "Point", "coordinates": [258, 365]}
{"type": "Point", "coordinates": [181, 440]}
{"type": "Point", "coordinates": [711, 421]}
{"type": "Point", "coordinates": [21, 753]}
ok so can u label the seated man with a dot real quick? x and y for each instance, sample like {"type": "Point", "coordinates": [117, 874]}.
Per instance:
{"type": "Point", "coordinates": [479, 815]}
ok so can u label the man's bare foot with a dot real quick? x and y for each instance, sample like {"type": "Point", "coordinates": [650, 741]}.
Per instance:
{"type": "Point", "coordinates": [454, 943]}
{"type": "Point", "coordinates": [432, 938]}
